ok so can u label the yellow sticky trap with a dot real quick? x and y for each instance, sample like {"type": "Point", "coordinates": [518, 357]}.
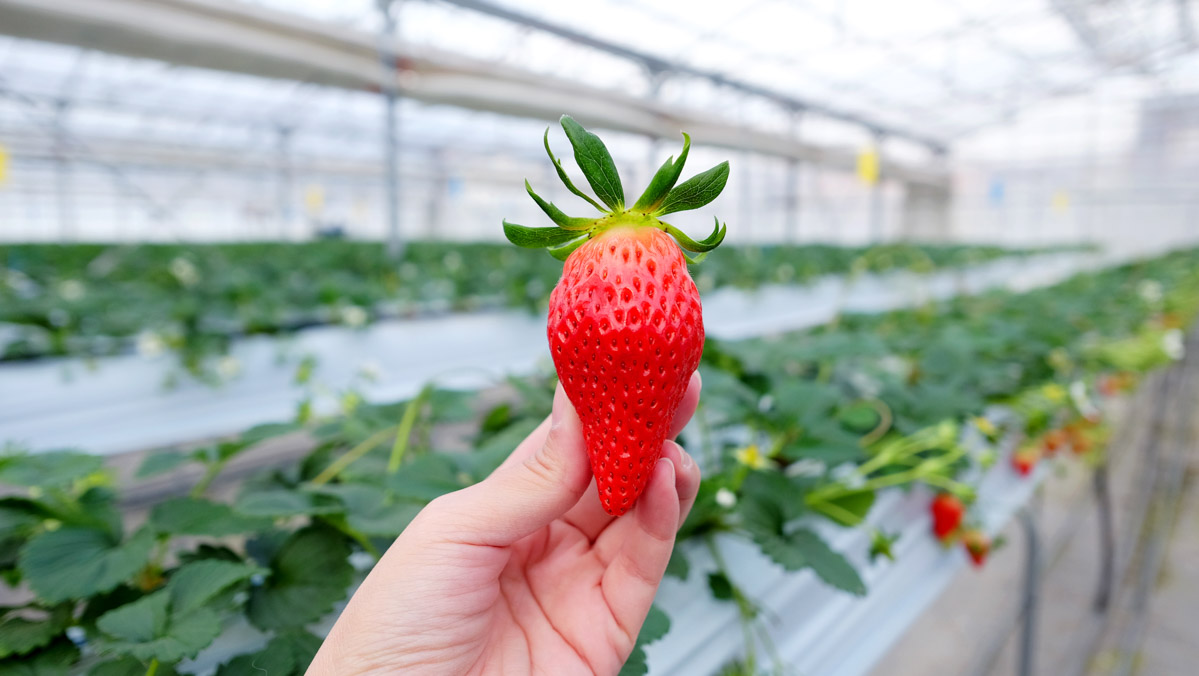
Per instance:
{"type": "Point", "coordinates": [868, 166]}
{"type": "Point", "coordinates": [3, 165]}
{"type": "Point", "coordinates": [314, 199]}
{"type": "Point", "coordinates": [1061, 201]}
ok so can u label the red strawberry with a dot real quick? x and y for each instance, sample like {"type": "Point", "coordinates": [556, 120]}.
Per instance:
{"type": "Point", "coordinates": [1025, 459]}
{"type": "Point", "coordinates": [625, 324]}
{"type": "Point", "coordinates": [947, 512]}
{"type": "Point", "coordinates": [977, 545]}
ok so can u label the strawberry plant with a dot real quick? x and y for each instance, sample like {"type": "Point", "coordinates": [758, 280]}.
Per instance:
{"type": "Point", "coordinates": [796, 433]}
{"type": "Point", "coordinates": [193, 300]}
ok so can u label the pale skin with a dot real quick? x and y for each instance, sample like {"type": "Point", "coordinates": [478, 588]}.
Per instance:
{"type": "Point", "coordinates": [522, 573]}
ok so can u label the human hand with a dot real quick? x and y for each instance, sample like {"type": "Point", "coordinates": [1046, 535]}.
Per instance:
{"type": "Point", "coordinates": [523, 572]}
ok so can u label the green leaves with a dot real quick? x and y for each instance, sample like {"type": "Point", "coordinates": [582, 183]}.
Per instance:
{"type": "Point", "coordinates": [24, 630]}
{"type": "Point", "coordinates": [593, 158]}
{"type": "Point", "coordinates": [55, 660]}
{"type": "Point", "coordinates": [556, 215]}
{"type": "Point", "coordinates": [288, 654]}
{"type": "Point", "coordinates": [150, 629]}
{"type": "Point", "coordinates": [537, 238]}
{"type": "Point", "coordinates": [50, 469]}
{"type": "Point", "coordinates": [178, 621]}
{"type": "Point", "coordinates": [309, 573]}
{"type": "Point", "coordinates": [828, 565]}
{"type": "Point", "coordinates": [194, 516]}
{"type": "Point", "coordinates": [660, 197]}
{"type": "Point", "coordinates": [769, 504]}
{"type": "Point", "coordinates": [657, 625]}
{"type": "Point", "coordinates": [665, 178]}
{"type": "Point", "coordinates": [696, 191]}
{"type": "Point", "coordinates": [74, 563]}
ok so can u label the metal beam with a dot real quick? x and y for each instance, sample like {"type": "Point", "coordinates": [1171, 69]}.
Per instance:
{"type": "Point", "coordinates": [656, 64]}
{"type": "Point", "coordinates": [240, 38]}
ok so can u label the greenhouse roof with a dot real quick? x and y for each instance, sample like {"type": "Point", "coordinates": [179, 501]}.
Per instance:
{"type": "Point", "coordinates": [929, 69]}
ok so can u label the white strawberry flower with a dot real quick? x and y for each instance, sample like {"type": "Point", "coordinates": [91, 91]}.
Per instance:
{"type": "Point", "coordinates": [1150, 291]}
{"type": "Point", "coordinates": [150, 344]}
{"type": "Point", "coordinates": [726, 498]}
{"type": "Point", "coordinates": [353, 316]}
{"type": "Point", "coordinates": [228, 367]}
{"type": "Point", "coordinates": [1173, 345]}
{"type": "Point", "coordinates": [185, 271]}
{"type": "Point", "coordinates": [370, 371]}
{"type": "Point", "coordinates": [71, 289]}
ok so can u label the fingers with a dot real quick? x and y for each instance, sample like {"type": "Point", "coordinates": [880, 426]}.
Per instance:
{"type": "Point", "coordinates": [520, 497]}
{"type": "Point", "coordinates": [687, 477]}
{"type": "Point", "coordinates": [530, 445]}
{"type": "Point", "coordinates": [631, 580]}
{"type": "Point", "coordinates": [687, 405]}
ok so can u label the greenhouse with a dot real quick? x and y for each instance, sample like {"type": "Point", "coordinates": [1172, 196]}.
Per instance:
{"type": "Point", "coordinates": [827, 337]}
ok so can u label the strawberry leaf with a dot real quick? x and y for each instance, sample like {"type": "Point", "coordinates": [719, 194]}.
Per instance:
{"type": "Point", "coordinates": [149, 629]}
{"type": "Point", "coordinates": [561, 252]}
{"type": "Point", "coordinates": [704, 245]}
{"type": "Point", "coordinates": [660, 185]}
{"type": "Point", "coordinates": [656, 625]}
{"type": "Point", "coordinates": [828, 565]}
{"type": "Point", "coordinates": [566, 179]}
{"type": "Point", "coordinates": [596, 162]}
{"type": "Point", "coordinates": [557, 216]}
{"type": "Point", "coordinates": [56, 660]}
{"type": "Point", "coordinates": [194, 516]}
{"type": "Point", "coordinates": [21, 634]}
{"type": "Point", "coordinates": [696, 191]}
{"type": "Point", "coordinates": [74, 563]}
{"type": "Point", "coordinates": [54, 468]}
{"type": "Point", "coordinates": [309, 573]}
{"type": "Point", "coordinates": [288, 654]}
{"type": "Point", "coordinates": [537, 238]}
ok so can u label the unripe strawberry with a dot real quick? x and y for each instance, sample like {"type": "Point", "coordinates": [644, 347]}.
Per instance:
{"type": "Point", "coordinates": [947, 512]}
{"type": "Point", "coordinates": [1055, 440]}
{"type": "Point", "coordinates": [625, 324]}
{"type": "Point", "coordinates": [977, 546]}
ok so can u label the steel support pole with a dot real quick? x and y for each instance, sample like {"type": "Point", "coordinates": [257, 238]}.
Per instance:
{"type": "Point", "coordinates": [62, 172]}
{"type": "Point", "coordinates": [1032, 582]}
{"type": "Point", "coordinates": [1107, 538]}
{"type": "Point", "coordinates": [876, 195]}
{"type": "Point", "coordinates": [391, 140]}
{"type": "Point", "coordinates": [285, 187]}
{"type": "Point", "coordinates": [791, 195]}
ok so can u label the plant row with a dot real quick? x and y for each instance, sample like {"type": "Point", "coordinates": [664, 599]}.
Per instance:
{"type": "Point", "coordinates": [92, 300]}
{"type": "Point", "coordinates": [793, 430]}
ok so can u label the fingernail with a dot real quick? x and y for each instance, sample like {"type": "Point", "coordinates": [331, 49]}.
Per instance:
{"type": "Point", "coordinates": [686, 459]}
{"type": "Point", "coordinates": [669, 467]}
{"type": "Point", "coordinates": [560, 401]}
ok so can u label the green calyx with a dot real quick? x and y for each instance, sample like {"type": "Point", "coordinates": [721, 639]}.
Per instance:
{"type": "Point", "coordinates": [661, 197]}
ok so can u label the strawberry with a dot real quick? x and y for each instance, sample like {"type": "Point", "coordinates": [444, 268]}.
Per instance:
{"type": "Point", "coordinates": [1025, 459]}
{"type": "Point", "coordinates": [977, 545]}
{"type": "Point", "coordinates": [947, 512]}
{"type": "Point", "coordinates": [625, 323]}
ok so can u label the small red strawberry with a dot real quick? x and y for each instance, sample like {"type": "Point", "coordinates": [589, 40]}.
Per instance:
{"type": "Point", "coordinates": [1025, 459]}
{"type": "Point", "coordinates": [977, 545]}
{"type": "Point", "coordinates": [947, 512]}
{"type": "Point", "coordinates": [625, 324]}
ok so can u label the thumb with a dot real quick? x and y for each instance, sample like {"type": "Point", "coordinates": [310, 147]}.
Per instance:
{"type": "Point", "coordinates": [520, 498]}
